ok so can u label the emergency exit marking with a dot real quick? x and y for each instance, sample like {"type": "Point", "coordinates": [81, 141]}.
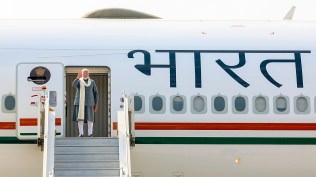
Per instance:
{"type": "Point", "coordinates": [37, 89]}
{"type": "Point", "coordinates": [177, 174]}
{"type": "Point", "coordinates": [137, 174]}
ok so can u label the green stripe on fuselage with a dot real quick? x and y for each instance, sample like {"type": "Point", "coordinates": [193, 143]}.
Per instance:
{"type": "Point", "coordinates": [28, 134]}
{"type": "Point", "coordinates": [15, 140]}
{"type": "Point", "coordinates": [199, 140]}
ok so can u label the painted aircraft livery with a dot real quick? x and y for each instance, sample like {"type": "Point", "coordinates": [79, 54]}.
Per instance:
{"type": "Point", "coordinates": [211, 98]}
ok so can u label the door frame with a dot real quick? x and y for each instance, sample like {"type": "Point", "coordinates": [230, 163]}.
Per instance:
{"type": "Point", "coordinates": [31, 127]}
{"type": "Point", "coordinates": [94, 69]}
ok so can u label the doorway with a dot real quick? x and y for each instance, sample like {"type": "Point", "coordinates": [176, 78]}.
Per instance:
{"type": "Point", "coordinates": [102, 124]}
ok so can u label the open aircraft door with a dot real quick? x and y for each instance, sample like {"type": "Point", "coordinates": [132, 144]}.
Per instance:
{"type": "Point", "coordinates": [31, 79]}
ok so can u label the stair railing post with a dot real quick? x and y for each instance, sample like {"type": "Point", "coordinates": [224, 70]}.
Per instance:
{"type": "Point", "coordinates": [128, 135]}
{"type": "Point", "coordinates": [124, 138]}
{"type": "Point", "coordinates": [131, 120]}
{"type": "Point", "coordinates": [49, 140]}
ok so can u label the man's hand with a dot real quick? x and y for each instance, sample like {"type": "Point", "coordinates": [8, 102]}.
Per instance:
{"type": "Point", "coordinates": [79, 75]}
{"type": "Point", "coordinates": [96, 108]}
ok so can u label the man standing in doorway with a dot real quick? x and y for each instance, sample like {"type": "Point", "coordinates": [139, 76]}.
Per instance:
{"type": "Point", "coordinates": [86, 101]}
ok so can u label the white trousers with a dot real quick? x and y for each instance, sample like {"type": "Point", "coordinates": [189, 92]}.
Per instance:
{"type": "Point", "coordinates": [90, 127]}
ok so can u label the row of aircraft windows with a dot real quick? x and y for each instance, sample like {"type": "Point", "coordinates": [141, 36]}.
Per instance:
{"type": "Point", "coordinates": [219, 104]}
{"type": "Point", "coordinates": [198, 104]}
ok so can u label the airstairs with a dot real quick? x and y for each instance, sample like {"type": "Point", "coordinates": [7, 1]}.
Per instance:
{"type": "Point", "coordinates": [88, 156]}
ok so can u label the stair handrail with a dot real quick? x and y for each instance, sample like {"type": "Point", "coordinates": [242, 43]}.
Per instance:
{"type": "Point", "coordinates": [49, 140]}
{"type": "Point", "coordinates": [131, 120]}
{"type": "Point", "coordinates": [124, 138]}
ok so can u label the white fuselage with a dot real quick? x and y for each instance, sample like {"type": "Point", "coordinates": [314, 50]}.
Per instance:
{"type": "Point", "coordinates": [187, 59]}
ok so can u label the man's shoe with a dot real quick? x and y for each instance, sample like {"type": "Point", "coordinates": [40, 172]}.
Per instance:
{"type": "Point", "coordinates": [90, 135]}
{"type": "Point", "coordinates": [80, 136]}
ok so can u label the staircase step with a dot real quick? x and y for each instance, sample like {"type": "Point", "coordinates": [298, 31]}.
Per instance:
{"type": "Point", "coordinates": [87, 164]}
{"type": "Point", "coordinates": [85, 145]}
{"type": "Point", "coordinates": [87, 141]}
{"type": "Point", "coordinates": [87, 171]}
{"type": "Point", "coordinates": [85, 149]}
{"type": "Point", "coordinates": [86, 176]}
{"type": "Point", "coordinates": [87, 156]}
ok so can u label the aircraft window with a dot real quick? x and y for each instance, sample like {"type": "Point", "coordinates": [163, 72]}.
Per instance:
{"type": "Point", "coordinates": [198, 104]}
{"type": "Point", "coordinates": [178, 104]}
{"type": "Point", "coordinates": [139, 106]}
{"type": "Point", "coordinates": [240, 104]}
{"type": "Point", "coordinates": [219, 105]}
{"type": "Point", "coordinates": [52, 98]}
{"type": "Point", "coordinates": [261, 104]}
{"type": "Point", "coordinates": [281, 104]}
{"type": "Point", "coordinates": [8, 103]}
{"type": "Point", "coordinates": [157, 104]}
{"type": "Point", "coordinates": [301, 104]}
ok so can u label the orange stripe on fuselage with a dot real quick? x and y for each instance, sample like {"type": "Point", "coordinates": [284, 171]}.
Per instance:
{"type": "Point", "coordinates": [58, 121]}
{"type": "Point", "coordinates": [28, 122]}
{"type": "Point", "coordinates": [33, 121]}
{"type": "Point", "coordinates": [7, 125]}
{"type": "Point", "coordinates": [221, 126]}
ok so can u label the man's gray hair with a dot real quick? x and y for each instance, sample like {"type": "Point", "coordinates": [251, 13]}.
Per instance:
{"type": "Point", "coordinates": [85, 69]}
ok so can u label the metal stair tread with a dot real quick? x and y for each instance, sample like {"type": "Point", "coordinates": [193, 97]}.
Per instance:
{"type": "Point", "coordinates": [68, 138]}
{"type": "Point", "coordinates": [86, 169]}
{"type": "Point", "coordinates": [68, 151]}
{"type": "Point", "coordinates": [85, 176]}
{"type": "Point", "coordinates": [85, 153]}
{"type": "Point", "coordinates": [73, 145]}
{"type": "Point", "coordinates": [84, 149]}
{"type": "Point", "coordinates": [60, 161]}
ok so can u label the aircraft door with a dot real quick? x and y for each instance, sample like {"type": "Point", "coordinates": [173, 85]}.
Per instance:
{"type": "Point", "coordinates": [102, 124]}
{"type": "Point", "coordinates": [31, 77]}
